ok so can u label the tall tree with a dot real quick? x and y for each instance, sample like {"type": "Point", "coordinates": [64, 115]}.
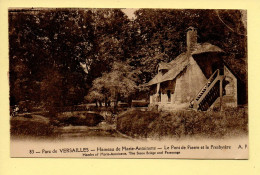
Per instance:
{"type": "Point", "coordinates": [162, 34]}
{"type": "Point", "coordinates": [119, 84]}
{"type": "Point", "coordinates": [48, 41]}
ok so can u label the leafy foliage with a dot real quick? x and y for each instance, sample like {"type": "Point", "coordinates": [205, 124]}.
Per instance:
{"type": "Point", "coordinates": [161, 34]}
{"type": "Point", "coordinates": [64, 54]}
{"type": "Point", "coordinates": [119, 83]}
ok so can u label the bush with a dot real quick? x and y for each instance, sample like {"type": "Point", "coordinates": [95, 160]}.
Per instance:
{"type": "Point", "coordinates": [30, 125]}
{"type": "Point", "coordinates": [154, 124]}
{"type": "Point", "coordinates": [79, 118]}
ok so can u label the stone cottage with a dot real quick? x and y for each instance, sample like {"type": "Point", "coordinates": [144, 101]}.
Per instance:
{"type": "Point", "coordinates": [197, 79]}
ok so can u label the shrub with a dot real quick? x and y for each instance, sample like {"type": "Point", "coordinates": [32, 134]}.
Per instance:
{"type": "Point", "coordinates": [79, 118]}
{"type": "Point", "coordinates": [30, 125]}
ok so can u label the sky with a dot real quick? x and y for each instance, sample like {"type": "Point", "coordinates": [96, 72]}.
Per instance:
{"type": "Point", "coordinates": [130, 12]}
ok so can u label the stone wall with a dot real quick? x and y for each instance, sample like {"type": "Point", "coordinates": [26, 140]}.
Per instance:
{"type": "Point", "coordinates": [230, 90]}
{"type": "Point", "coordinates": [189, 83]}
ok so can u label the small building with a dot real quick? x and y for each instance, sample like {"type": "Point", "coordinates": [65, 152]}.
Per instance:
{"type": "Point", "coordinates": [197, 78]}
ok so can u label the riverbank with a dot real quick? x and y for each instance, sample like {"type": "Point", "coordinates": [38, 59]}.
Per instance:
{"type": "Point", "coordinates": [133, 124]}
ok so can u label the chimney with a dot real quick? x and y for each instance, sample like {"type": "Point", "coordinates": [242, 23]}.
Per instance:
{"type": "Point", "coordinates": [191, 38]}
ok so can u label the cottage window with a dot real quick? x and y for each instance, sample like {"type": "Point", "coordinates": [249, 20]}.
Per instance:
{"type": "Point", "coordinates": [169, 95]}
{"type": "Point", "coordinates": [229, 86]}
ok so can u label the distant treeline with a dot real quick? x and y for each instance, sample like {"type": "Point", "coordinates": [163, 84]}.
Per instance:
{"type": "Point", "coordinates": [60, 56]}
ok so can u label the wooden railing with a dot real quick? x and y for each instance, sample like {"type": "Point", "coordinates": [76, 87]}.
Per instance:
{"type": "Point", "coordinates": [209, 82]}
{"type": "Point", "coordinates": [214, 78]}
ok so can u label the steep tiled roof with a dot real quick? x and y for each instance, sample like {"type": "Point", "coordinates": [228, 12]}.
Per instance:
{"type": "Point", "coordinates": [176, 66]}
{"type": "Point", "coordinates": [205, 47]}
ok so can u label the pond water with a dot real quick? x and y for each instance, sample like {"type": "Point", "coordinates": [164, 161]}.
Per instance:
{"type": "Point", "coordinates": [100, 131]}
{"type": "Point", "coordinates": [71, 125]}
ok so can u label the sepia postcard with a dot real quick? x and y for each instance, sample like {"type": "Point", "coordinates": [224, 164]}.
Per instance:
{"type": "Point", "coordinates": [128, 83]}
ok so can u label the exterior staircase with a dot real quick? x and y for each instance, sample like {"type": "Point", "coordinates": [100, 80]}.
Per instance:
{"type": "Point", "coordinates": [209, 93]}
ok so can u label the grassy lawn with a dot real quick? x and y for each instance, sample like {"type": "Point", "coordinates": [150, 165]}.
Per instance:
{"type": "Point", "coordinates": [212, 124]}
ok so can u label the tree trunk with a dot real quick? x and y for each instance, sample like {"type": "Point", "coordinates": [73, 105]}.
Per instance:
{"type": "Point", "coordinates": [100, 103]}
{"type": "Point", "coordinates": [129, 101]}
{"type": "Point", "coordinates": [106, 102]}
